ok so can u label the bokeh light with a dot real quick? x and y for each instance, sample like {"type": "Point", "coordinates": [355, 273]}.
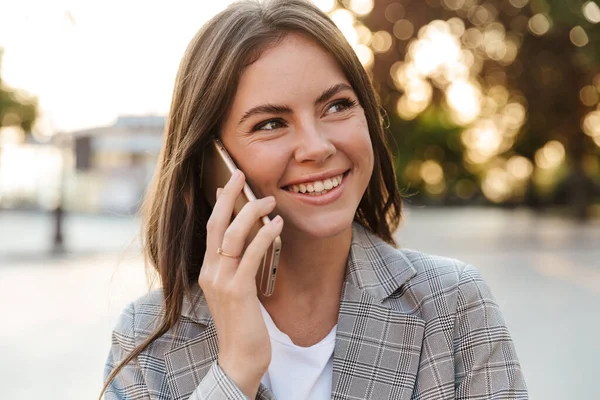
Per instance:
{"type": "Point", "coordinates": [464, 98]}
{"type": "Point", "coordinates": [551, 156]}
{"type": "Point", "coordinates": [457, 26]}
{"type": "Point", "coordinates": [589, 96]}
{"type": "Point", "coordinates": [483, 140]}
{"type": "Point", "coordinates": [381, 41]}
{"type": "Point", "coordinates": [365, 55]}
{"type": "Point", "coordinates": [325, 5]}
{"type": "Point", "coordinates": [519, 3]}
{"type": "Point", "coordinates": [497, 185]}
{"type": "Point", "coordinates": [431, 172]}
{"type": "Point", "coordinates": [361, 7]}
{"type": "Point", "coordinates": [394, 12]}
{"type": "Point", "coordinates": [365, 35]}
{"type": "Point", "coordinates": [591, 11]}
{"type": "Point", "coordinates": [539, 24]}
{"type": "Point", "coordinates": [453, 4]}
{"type": "Point", "coordinates": [591, 124]}
{"type": "Point", "coordinates": [578, 36]}
{"type": "Point", "coordinates": [403, 29]}
{"type": "Point", "coordinates": [345, 20]}
{"type": "Point", "coordinates": [519, 167]}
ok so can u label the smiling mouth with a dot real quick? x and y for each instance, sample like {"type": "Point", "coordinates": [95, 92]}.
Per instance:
{"type": "Point", "coordinates": [317, 188]}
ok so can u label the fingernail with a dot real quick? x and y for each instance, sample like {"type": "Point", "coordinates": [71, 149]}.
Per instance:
{"type": "Point", "coordinates": [219, 190]}
{"type": "Point", "coordinates": [236, 175]}
{"type": "Point", "coordinates": [277, 220]}
{"type": "Point", "coordinates": [269, 199]}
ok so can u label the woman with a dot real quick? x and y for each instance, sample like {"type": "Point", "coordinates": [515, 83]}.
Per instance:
{"type": "Point", "coordinates": [351, 315]}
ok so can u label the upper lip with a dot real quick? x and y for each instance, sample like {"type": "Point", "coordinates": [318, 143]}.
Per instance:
{"type": "Point", "coordinates": [321, 176]}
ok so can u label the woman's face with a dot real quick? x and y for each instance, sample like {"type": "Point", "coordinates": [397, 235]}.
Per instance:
{"type": "Point", "coordinates": [297, 131]}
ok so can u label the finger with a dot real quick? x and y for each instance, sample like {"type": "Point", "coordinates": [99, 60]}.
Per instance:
{"type": "Point", "coordinates": [222, 211]}
{"type": "Point", "coordinates": [256, 250]}
{"type": "Point", "coordinates": [236, 235]}
{"type": "Point", "coordinates": [219, 190]}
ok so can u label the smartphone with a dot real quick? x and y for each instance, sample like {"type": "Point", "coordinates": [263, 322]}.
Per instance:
{"type": "Point", "coordinates": [216, 170]}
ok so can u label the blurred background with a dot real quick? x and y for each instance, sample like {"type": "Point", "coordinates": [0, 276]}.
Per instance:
{"type": "Point", "coordinates": [493, 107]}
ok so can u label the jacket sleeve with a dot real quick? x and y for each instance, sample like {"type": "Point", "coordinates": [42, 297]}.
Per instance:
{"type": "Point", "coordinates": [129, 383]}
{"type": "Point", "coordinates": [486, 364]}
{"type": "Point", "coordinates": [216, 385]}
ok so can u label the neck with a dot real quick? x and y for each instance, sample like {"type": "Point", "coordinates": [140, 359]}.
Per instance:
{"type": "Point", "coordinates": [311, 270]}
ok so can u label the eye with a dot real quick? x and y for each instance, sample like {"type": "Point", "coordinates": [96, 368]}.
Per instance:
{"type": "Point", "coordinates": [269, 125]}
{"type": "Point", "coordinates": [341, 105]}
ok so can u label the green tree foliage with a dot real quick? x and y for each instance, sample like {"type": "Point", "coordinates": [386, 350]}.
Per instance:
{"type": "Point", "coordinates": [16, 109]}
{"type": "Point", "coordinates": [538, 56]}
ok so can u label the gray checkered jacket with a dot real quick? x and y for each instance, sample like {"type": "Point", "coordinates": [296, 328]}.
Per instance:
{"type": "Point", "coordinates": [410, 326]}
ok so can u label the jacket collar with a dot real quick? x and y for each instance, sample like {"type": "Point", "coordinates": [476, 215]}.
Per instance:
{"type": "Point", "coordinates": [373, 266]}
{"type": "Point", "coordinates": [195, 307]}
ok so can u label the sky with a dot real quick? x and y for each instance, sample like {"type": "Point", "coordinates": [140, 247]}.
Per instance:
{"type": "Point", "coordinates": [88, 61]}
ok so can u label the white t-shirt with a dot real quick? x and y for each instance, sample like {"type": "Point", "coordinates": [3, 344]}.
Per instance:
{"type": "Point", "coordinates": [298, 372]}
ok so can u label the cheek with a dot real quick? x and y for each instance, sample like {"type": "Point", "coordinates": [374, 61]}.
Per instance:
{"type": "Point", "coordinates": [357, 143]}
{"type": "Point", "coordinates": [367, 158]}
{"type": "Point", "coordinates": [263, 167]}
{"type": "Point", "coordinates": [366, 144]}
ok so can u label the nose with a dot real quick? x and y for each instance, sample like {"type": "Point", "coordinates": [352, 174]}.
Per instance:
{"type": "Point", "coordinates": [312, 145]}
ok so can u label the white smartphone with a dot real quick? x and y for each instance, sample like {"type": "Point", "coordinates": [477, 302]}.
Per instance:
{"type": "Point", "coordinates": [217, 168]}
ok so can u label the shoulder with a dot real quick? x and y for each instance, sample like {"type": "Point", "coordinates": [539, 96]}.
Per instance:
{"type": "Point", "coordinates": [444, 271]}
{"type": "Point", "coordinates": [441, 284]}
{"type": "Point", "coordinates": [409, 279]}
{"type": "Point", "coordinates": [149, 304]}
{"type": "Point", "coordinates": [430, 267]}
{"type": "Point", "coordinates": [140, 317]}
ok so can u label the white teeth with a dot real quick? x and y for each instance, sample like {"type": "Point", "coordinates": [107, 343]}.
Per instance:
{"type": "Point", "coordinates": [317, 188]}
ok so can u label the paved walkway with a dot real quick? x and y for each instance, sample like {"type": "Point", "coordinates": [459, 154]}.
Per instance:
{"type": "Point", "coordinates": [59, 310]}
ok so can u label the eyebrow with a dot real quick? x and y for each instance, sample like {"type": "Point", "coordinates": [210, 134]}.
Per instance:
{"type": "Point", "coordinates": [283, 109]}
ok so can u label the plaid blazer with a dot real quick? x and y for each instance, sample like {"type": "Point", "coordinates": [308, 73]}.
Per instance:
{"type": "Point", "coordinates": [410, 326]}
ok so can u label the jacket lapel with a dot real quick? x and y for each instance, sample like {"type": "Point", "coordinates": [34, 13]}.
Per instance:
{"type": "Point", "coordinates": [377, 349]}
{"type": "Point", "coordinates": [187, 364]}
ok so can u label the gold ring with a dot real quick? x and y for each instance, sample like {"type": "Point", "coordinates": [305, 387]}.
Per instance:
{"type": "Point", "coordinates": [221, 252]}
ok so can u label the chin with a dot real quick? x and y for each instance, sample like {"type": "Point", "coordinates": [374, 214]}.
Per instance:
{"type": "Point", "coordinates": [319, 228]}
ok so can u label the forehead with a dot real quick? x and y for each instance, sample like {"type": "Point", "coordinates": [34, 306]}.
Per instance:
{"type": "Point", "coordinates": [295, 67]}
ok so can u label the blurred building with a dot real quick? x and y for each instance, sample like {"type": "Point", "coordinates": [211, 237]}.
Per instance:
{"type": "Point", "coordinates": [114, 164]}
{"type": "Point", "coordinates": [103, 169]}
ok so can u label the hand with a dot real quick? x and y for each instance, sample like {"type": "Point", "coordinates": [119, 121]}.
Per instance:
{"type": "Point", "coordinates": [229, 285]}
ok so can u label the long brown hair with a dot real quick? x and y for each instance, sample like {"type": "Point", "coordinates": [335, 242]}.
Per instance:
{"type": "Point", "coordinates": [174, 211]}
